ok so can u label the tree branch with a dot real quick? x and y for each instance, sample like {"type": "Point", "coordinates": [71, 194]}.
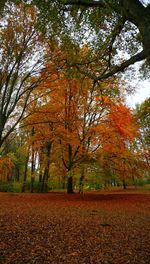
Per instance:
{"type": "Point", "coordinates": [86, 3]}
{"type": "Point", "coordinates": [116, 69]}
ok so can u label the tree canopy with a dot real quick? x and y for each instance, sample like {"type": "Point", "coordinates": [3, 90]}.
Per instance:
{"type": "Point", "coordinates": [113, 28]}
{"type": "Point", "coordinates": [62, 101]}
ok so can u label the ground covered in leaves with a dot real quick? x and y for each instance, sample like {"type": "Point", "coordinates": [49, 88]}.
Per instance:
{"type": "Point", "coordinates": [95, 228]}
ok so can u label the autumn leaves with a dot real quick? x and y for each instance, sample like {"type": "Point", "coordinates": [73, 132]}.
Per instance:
{"type": "Point", "coordinates": [68, 124]}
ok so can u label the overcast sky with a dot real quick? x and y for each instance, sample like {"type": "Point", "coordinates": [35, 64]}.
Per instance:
{"type": "Point", "coordinates": [142, 92]}
{"type": "Point", "coordinates": [143, 87]}
{"type": "Point", "coordinates": [145, 2]}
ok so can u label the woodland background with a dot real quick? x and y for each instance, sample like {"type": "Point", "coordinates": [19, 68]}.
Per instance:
{"type": "Point", "coordinates": [64, 123]}
{"type": "Point", "coordinates": [65, 71]}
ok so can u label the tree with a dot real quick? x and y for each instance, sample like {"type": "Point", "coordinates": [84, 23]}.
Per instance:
{"type": "Point", "coordinates": [21, 59]}
{"type": "Point", "coordinates": [118, 134]}
{"type": "Point", "coordinates": [67, 118]}
{"type": "Point", "coordinates": [6, 167]}
{"type": "Point", "coordinates": [111, 24]}
{"type": "Point", "coordinates": [13, 147]}
{"type": "Point", "coordinates": [142, 113]}
{"type": "Point", "coordinates": [109, 27]}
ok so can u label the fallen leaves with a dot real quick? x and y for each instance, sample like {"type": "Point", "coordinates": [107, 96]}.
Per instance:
{"type": "Point", "coordinates": [60, 228]}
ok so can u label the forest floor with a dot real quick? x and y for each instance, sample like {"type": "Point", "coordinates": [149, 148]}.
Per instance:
{"type": "Point", "coordinates": [94, 228]}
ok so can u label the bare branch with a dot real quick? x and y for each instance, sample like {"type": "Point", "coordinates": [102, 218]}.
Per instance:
{"type": "Point", "coordinates": [86, 3]}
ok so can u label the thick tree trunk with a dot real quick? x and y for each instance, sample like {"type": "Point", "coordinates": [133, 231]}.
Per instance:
{"type": "Point", "coordinates": [70, 184]}
{"type": "Point", "coordinates": [130, 10]}
{"type": "Point", "coordinates": [44, 186]}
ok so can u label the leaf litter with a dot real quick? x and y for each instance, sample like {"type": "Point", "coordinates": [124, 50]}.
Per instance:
{"type": "Point", "coordinates": [59, 228]}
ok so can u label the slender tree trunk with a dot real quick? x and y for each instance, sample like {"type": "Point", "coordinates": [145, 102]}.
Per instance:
{"type": "Point", "coordinates": [40, 176]}
{"type": "Point", "coordinates": [40, 164]}
{"type": "Point", "coordinates": [32, 173]}
{"type": "Point", "coordinates": [133, 180]}
{"type": "Point", "coordinates": [124, 185]}
{"type": "Point", "coordinates": [44, 186]}
{"type": "Point", "coordinates": [81, 180]}
{"type": "Point", "coordinates": [32, 165]}
{"type": "Point", "coordinates": [114, 182]}
{"type": "Point", "coordinates": [25, 173]}
{"type": "Point", "coordinates": [70, 176]}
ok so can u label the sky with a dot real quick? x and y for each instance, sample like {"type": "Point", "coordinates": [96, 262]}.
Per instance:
{"type": "Point", "coordinates": [142, 92]}
{"type": "Point", "coordinates": [143, 87]}
{"type": "Point", "coordinates": [145, 2]}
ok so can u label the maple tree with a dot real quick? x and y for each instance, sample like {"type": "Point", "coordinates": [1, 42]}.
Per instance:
{"type": "Point", "coordinates": [118, 133]}
{"type": "Point", "coordinates": [68, 120]}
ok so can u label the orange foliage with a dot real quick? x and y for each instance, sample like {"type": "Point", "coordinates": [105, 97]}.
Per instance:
{"type": "Point", "coordinates": [80, 118]}
{"type": "Point", "coordinates": [6, 166]}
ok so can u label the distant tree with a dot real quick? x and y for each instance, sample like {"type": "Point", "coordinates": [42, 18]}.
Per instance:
{"type": "Point", "coordinates": [115, 154]}
{"type": "Point", "coordinates": [13, 147]}
{"type": "Point", "coordinates": [142, 113]}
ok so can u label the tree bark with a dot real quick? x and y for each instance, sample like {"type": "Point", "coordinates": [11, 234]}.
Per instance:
{"type": "Point", "coordinates": [124, 185]}
{"type": "Point", "coordinates": [70, 185]}
{"type": "Point", "coordinates": [32, 165]}
{"type": "Point", "coordinates": [44, 186]}
{"type": "Point", "coordinates": [70, 176]}
{"type": "Point", "coordinates": [25, 173]}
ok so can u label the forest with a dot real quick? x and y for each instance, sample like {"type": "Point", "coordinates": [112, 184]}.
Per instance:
{"type": "Point", "coordinates": [64, 121]}
{"type": "Point", "coordinates": [74, 157]}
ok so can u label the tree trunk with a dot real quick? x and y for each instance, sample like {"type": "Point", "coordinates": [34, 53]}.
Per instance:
{"type": "Point", "coordinates": [44, 186]}
{"type": "Point", "coordinates": [32, 165]}
{"type": "Point", "coordinates": [81, 183]}
{"type": "Point", "coordinates": [32, 174]}
{"type": "Point", "coordinates": [40, 176]}
{"type": "Point", "coordinates": [70, 176]}
{"type": "Point", "coordinates": [40, 164]}
{"type": "Point", "coordinates": [70, 184]}
{"type": "Point", "coordinates": [25, 173]}
{"type": "Point", "coordinates": [124, 185]}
